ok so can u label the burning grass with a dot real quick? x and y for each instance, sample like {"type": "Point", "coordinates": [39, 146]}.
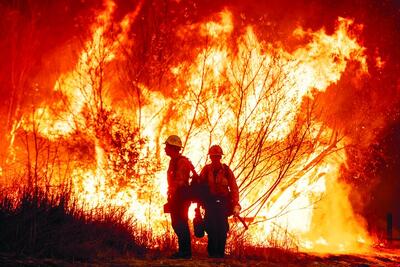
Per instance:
{"type": "Point", "coordinates": [41, 224]}
{"type": "Point", "coordinates": [42, 228]}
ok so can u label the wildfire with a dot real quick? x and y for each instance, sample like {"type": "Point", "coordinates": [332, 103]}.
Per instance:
{"type": "Point", "coordinates": [250, 98]}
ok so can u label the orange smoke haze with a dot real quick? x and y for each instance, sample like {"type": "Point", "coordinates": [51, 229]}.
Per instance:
{"type": "Point", "coordinates": [291, 105]}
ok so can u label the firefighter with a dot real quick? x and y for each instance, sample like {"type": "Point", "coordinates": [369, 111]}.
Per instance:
{"type": "Point", "coordinates": [178, 195]}
{"type": "Point", "coordinates": [220, 201]}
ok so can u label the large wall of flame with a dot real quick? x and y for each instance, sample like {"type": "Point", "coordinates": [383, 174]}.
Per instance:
{"type": "Point", "coordinates": [35, 35]}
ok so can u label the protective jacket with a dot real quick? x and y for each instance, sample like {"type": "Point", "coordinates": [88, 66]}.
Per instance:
{"type": "Point", "coordinates": [178, 175]}
{"type": "Point", "coordinates": [220, 183]}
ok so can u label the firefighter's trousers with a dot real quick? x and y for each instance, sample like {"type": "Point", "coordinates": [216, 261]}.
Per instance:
{"type": "Point", "coordinates": [179, 220]}
{"type": "Point", "coordinates": [216, 225]}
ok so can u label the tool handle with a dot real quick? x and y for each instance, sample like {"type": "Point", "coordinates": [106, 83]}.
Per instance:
{"type": "Point", "coordinates": [242, 221]}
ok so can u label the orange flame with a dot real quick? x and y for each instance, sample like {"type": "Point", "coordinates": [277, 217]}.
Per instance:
{"type": "Point", "coordinates": [231, 89]}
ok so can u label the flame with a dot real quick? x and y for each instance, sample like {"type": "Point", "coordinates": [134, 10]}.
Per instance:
{"type": "Point", "coordinates": [77, 85]}
{"type": "Point", "coordinates": [215, 29]}
{"type": "Point", "coordinates": [223, 94]}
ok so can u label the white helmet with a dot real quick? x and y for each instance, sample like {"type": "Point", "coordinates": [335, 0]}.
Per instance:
{"type": "Point", "coordinates": [174, 140]}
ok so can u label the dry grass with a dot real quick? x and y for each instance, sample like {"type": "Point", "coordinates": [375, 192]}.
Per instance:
{"type": "Point", "coordinates": [46, 225]}
{"type": "Point", "coordinates": [40, 228]}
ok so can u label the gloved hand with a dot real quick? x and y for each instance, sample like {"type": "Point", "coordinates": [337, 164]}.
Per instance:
{"type": "Point", "coordinates": [236, 210]}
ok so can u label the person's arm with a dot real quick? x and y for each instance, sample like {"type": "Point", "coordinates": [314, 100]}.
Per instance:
{"type": "Point", "coordinates": [234, 192]}
{"type": "Point", "coordinates": [233, 187]}
{"type": "Point", "coordinates": [182, 172]}
{"type": "Point", "coordinates": [195, 176]}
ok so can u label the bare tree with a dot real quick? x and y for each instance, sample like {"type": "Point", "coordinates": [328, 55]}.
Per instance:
{"type": "Point", "coordinates": [19, 61]}
{"type": "Point", "coordinates": [272, 138]}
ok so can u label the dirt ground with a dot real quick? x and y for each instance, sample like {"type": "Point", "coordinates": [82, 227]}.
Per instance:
{"type": "Point", "coordinates": [383, 257]}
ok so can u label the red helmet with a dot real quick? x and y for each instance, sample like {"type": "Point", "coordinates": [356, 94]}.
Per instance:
{"type": "Point", "coordinates": [215, 150]}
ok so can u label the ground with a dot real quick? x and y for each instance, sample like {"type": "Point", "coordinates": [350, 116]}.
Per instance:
{"type": "Point", "coordinates": [382, 257]}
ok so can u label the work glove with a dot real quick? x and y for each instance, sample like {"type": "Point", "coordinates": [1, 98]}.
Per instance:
{"type": "Point", "coordinates": [236, 210]}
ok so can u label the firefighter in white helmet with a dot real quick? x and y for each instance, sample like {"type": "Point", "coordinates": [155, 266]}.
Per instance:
{"type": "Point", "coordinates": [220, 201]}
{"type": "Point", "coordinates": [179, 171]}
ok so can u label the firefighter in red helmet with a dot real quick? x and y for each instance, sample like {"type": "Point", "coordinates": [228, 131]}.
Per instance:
{"type": "Point", "coordinates": [221, 201]}
{"type": "Point", "coordinates": [178, 195]}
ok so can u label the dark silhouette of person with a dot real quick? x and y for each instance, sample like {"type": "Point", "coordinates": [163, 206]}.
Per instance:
{"type": "Point", "coordinates": [178, 195]}
{"type": "Point", "coordinates": [220, 200]}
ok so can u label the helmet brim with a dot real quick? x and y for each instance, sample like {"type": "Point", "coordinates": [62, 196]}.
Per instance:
{"type": "Point", "coordinates": [165, 143]}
